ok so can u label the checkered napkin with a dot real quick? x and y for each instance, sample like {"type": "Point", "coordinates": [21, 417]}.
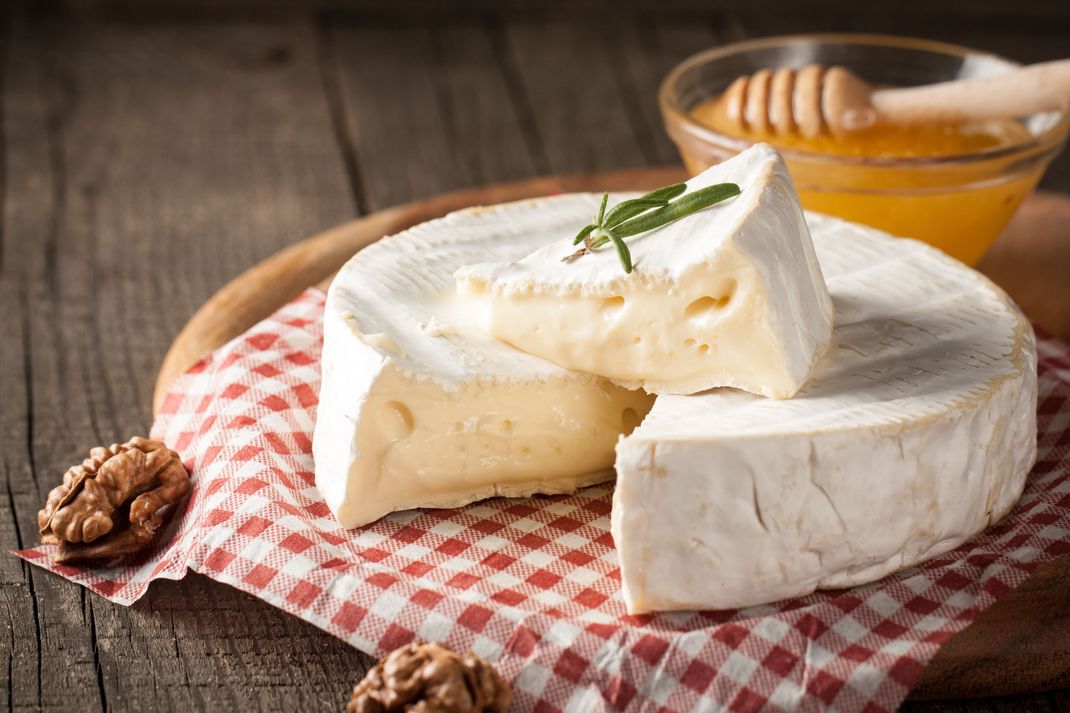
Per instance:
{"type": "Point", "coordinates": [533, 584]}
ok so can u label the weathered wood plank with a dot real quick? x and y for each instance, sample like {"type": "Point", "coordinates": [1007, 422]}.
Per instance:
{"type": "Point", "coordinates": [21, 648]}
{"type": "Point", "coordinates": [936, 19]}
{"type": "Point", "coordinates": [154, 162]}
{"type": "Point", "coordinates": [52, 656]}
{"type": "Point", "coordinates": [574, 86]}
{"type": "Point", "coordinates": [427, 110]}
{"type": "Point", "coordinates": [648, 48]}
{"type": "Point", "coordinates": [592, 86]}
{"type": "Point", "coordinates": [1039, 703]}
{"type": "Point", "coordinates": [989, 15]}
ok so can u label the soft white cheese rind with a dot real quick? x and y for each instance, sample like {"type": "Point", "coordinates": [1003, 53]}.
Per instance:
{"type": "Point", "coordinates": [916, 436]}
{"type": "Point", "coordinates": [420, 408]}
{"type": "Point", "coordinates": [730, 296]}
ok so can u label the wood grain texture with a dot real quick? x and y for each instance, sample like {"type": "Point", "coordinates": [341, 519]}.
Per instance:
{"type": "Point", "coordinates": [664, 42]}
{"type": "Point", "coordinates": [54, 646]}
{"type": "Point", "coordinates": [1031, 261]}
{"type": "Point", "coordinates": [573, 84]}
{"type": "Point", "coordinates": [443, 117]}
{"type": "Point", "coordinates": [140, 152]}
{"type": "Point", "coordinates": [1022, 643]}
{"type": "Point", "coordinates": [149, 152]}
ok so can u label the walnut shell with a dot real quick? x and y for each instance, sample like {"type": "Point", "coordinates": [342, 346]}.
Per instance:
{"type": "Point", "coordinates": [109, 506]}
{"type": "Point", "coordinates": [430, 678]}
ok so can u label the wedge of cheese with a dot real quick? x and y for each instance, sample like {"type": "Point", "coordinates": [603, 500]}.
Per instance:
{"type": "Point", "coordinates": [915, 434]}
{"type": "Point", "coordinates": [729, 296]}
{"type": "Point", "coordinates": [420, 408]}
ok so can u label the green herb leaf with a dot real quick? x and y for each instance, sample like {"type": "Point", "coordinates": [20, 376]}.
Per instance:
{"type": "Point", "coordinates": [583, 234]}
{"type": "Point", "coordinates": [684, 206]}
{"type": "Point", "coordinates": [666, 193]}
{"type": "Point", "coordinates": [639, 215]}
{"type": "Point", "coordinates": [623, 252]}
{"type": "Point", "coordinates": [629, 209]}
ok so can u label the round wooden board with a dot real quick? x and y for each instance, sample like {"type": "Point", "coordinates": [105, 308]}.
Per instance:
{"type": "Point", "coordinates": [1020, 644]}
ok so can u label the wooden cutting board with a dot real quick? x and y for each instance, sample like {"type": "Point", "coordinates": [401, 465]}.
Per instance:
{"type": "Point", "coordinates": [1022, 643]}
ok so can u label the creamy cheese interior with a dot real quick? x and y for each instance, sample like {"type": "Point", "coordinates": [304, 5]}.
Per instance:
{"type": "Point", "coordinates": [421, 446]}
{"type": "Point", "coordinates": [729, 296]}
{"type": "Point", "coordinates": [420, 408]}
{"type": "Point", "coordinates": [705, 328]}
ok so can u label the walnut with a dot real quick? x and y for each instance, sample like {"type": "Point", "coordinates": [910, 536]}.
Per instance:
{"type": "Point", "coordinates": [430, 678]}
{"type": "Point", "coordinates": [109, 506]}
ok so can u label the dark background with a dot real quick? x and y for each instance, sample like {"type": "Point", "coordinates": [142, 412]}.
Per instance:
{"type": "Point", "coordinates": [151, 151]}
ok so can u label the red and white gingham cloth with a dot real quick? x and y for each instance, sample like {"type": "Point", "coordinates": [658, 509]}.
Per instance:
{"type": "Point", "coordinates": [533, 584]}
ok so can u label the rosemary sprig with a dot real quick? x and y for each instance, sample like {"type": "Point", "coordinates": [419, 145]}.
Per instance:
{"type": "Point", "coordinates": [639, 215]}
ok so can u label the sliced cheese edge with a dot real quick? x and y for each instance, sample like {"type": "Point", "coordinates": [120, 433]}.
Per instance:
{"type": "Point", "coordinates": [730, 296]}
{"type": "Point", "coordinates": [420, 408]}
{"type": "Point", "coordinates": [916, 435]}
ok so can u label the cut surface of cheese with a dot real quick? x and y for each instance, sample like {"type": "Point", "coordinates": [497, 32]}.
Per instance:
{"type": "Point", "coordinates": [420, 408]}
{"type": "Point", "coordinates": [731, 295]}
{"type": "Point", "coordinates": [916, 432]}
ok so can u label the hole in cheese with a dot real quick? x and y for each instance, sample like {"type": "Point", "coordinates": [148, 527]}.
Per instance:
{"type": "Point", "coordinates": [494, 426]}
{"type": "Point", "coordinates": [703, 348]}
{"type": "Point", "coordinates": [704, 305]}
{"type": "Point", "coordinates": [689, 342]}
{"type": "Point", "coordinates": [709, 303]}
{"type": "Point", "coordinates": [395, 419]}
{"type": "Point", "coordinates": [611, 305]}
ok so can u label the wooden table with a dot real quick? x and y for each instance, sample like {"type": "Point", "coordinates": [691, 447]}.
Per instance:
{"type": "Point", "coordinates": [145, 159]}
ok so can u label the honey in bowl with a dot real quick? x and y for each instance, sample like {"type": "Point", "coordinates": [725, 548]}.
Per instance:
{"type": "Point", "coordinates": [959, 206]}
{"type": "Point", "coordinates": [955, 187]}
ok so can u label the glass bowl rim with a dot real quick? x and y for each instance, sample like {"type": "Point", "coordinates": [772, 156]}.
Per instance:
{"type": "Point", "coordinates": [673, 111]}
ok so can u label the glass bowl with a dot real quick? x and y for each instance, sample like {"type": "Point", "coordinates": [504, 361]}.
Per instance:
{"type": "Point", "coordinates": [959, 203]}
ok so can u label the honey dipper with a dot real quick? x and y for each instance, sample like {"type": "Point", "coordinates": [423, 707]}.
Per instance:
{"type": "Point", "coordinates": [814, 98]}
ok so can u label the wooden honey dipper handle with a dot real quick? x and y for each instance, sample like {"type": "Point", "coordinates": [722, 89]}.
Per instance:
{"type": "Point", "coordinates": [814, 99]}
{"type": "Point", "coordinates": [1037, 88]}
